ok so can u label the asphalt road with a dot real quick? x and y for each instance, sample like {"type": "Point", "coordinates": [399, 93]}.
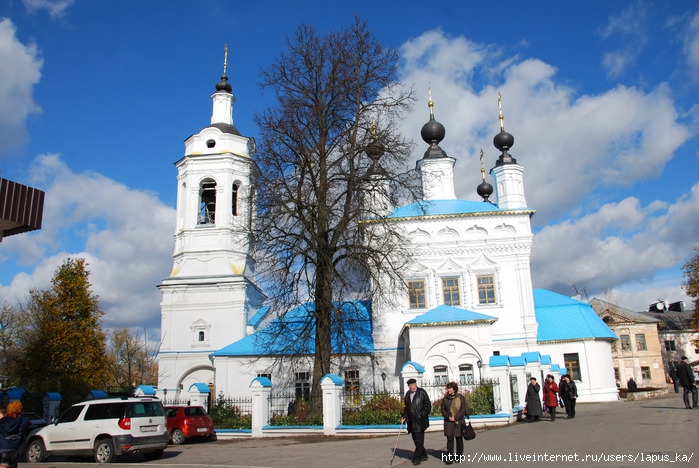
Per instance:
{"type": "Point", "coordinates": [654, 432]}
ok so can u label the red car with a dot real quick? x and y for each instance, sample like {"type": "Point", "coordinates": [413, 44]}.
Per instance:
{"type": "Point", "coordinates": [186, 422]}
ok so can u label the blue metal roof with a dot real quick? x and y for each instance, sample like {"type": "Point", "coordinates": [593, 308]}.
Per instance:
{"type": "Point", "coordinates": [257, 318]}
{"type": "Point", "coordinates": [446, 314]}
{"type": "Point", "coordinates": [294, 333]}
{"type": "Point", "coordinates": [453, 207]}
{"type": "Point", "coordinates": [562, 318]}
{"type": "Point", "coordinates": [201, 387]}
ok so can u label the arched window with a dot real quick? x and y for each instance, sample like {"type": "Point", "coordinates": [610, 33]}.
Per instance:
{"type": "Point", "coordinates": [207, 208]}
{"type": "Point", "coordinates": [234, 205]}
{"type": "Point", "coordinates": [201, 336]}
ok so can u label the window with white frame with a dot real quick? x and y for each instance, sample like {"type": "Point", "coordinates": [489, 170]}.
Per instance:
{"type": "Point", "coordinates": [466, 374]}
{"type": "Point", "coordinates": [450, 291]}
{"type": "Point", "coordinates": [441, 376]}
{"type": "Point", "coordinates": [303, 385]}
{"type": "Point", "coordinates": [416, 294]}
{"type": "Point", "coordinates": [486, 289]}
{"type": "Point", "coordinates": [207, 199]}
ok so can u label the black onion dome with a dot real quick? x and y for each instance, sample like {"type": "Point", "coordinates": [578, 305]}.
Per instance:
{"type": "Point", "coordinates": [432, 131]}
{"type": "Point", "coordinates": [224, 85]}
{"type": "Point", "coordinates": [504, 141]}
{"type": "Point", "coordinates": [485, 190]}
{"type": "Point", "coordinates": [375, 150]}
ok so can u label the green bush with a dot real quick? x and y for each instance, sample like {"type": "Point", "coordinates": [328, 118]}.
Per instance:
{"type": "Point", "coordinates": [228, 416]}
{"type": "Point", "coordinates": [480, 401]}
{"type": "Point", "coordinates": [381, 408]}
{"type": "Point", "coordinates": [302, 416]}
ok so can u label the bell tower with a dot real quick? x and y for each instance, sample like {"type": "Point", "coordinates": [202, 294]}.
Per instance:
{"type": "Point", "coordinates": [211, 291]}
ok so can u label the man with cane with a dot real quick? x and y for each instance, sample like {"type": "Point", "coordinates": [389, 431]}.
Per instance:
{"type": "Point", "coordinates": [416, 413]}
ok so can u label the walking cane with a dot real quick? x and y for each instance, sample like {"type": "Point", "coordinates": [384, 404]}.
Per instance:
{"type": "Point", "coordinates": [396, 446]}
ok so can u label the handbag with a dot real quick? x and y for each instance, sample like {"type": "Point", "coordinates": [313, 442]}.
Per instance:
{"type": "Point", "coordinates": [560, 402]}
{"type": "Point", "coordinates": [467, 432]}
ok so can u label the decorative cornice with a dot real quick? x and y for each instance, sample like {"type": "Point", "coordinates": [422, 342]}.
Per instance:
{"type": "Point", "coordinates": [528, 211]}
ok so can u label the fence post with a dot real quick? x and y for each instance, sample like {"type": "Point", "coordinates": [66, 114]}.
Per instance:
{"type": "Point", "coordinates": [261, 390]}
{"type": "Point", "coordinates": [411, 370]}
{"type": "Point", "coordinates": [199, 395]}
{"type": "Point", "coordinates": [332, 406]}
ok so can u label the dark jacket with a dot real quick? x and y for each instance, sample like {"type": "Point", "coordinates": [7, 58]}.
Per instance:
{"type": "Point", "coordinates": [418, 419]}
{"type": "Point", "coordinates": [568, 390]}
{"type": "Point", "coordinates": [453, 428]}
{"type": "Point", "coordinates": [12, 432]}
{"type": "Point", "coordinates": [533, 400]}
{"type": "Point", "coordinates": [685, 373]}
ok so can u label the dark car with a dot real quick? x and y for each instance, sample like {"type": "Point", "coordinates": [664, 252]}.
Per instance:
{"type": "Point", "coordinates": [188, 422]}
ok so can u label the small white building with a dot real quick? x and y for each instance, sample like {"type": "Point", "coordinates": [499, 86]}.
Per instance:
{"type": "Point", "coordinates": [468, 310]}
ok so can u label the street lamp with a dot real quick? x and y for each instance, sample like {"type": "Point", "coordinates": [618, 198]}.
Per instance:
{"type": "Point", "coordinates": [383, 377]}
{"type": "Point", "coordinates": [164, 395]}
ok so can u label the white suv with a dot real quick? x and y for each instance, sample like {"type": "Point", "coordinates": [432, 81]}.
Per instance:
{"type": "Point", "coordinates": [104, 429]}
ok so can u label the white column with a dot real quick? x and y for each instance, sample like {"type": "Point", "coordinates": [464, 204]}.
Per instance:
{"type": "Point", "coordinates": [332, 406]}
{"type": "Point", "coordinates": [261, 390]}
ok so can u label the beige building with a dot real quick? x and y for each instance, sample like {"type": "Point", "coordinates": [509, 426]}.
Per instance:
{"type": "Point", "coordinates": [638, 352]}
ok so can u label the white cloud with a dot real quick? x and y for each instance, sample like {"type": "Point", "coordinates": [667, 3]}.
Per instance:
{"type": "Point", "coordinates": [629, 32]}
{"type": "Point", "coordinates": [569, 145]}
{"type": "Point", "coordinates": [691, 46]}
{"type": "Point", "coordinates": [55, 8]}
{"type": "Point", "coordinates": [20, 70]}
{"type": "Point", "coordinates": [575, 150]}
{"type": "Point", "coordinates": [122, 233]}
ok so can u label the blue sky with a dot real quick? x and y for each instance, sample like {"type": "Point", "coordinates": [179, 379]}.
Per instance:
{"type": "Point", "coordinates": [97, 98]}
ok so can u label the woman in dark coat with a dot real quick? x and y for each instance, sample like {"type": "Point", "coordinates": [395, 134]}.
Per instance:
{"type": "Point", "coordinates": [533, 400]}
{"type": "Point", "coordinates": [569, 394]}
{"type": "Point", "coordinates": [454, 411]}
{"type": "Point", "coordinates": [13, 431]}
{"type": "Point", "coordinates": [551, 396]}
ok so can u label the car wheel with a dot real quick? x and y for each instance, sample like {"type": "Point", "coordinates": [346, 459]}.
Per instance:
{"type": "Point", "coordinates": [154, 455]}
{"type": "Point", "coordinates": [104, 451]}
{"type": "Point", "coordinates": [177, 437]}
{"type": "Point", "coordinates": [36, 452]}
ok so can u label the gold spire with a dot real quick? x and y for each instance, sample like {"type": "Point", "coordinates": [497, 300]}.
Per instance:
{"type": "Point", "coordinates": [373, 128]}
{"type": "Point", "coordinates": [225, 58]}
{"type": "Point", "coordinates": [482, 167]}
{"type": "Point", "coordinates": [501, 117]}
{"type": "Point", "coordinates": [430, 103]}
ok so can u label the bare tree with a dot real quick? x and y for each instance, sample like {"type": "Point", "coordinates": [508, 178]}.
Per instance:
{"type": "Point", "coordinates": [132, 360]}
{"type": "Point", "coordinates": [330, 159]}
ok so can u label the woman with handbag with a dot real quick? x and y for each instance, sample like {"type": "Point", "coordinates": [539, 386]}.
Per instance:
{"type": "Point", "coordinates": [454, 410]}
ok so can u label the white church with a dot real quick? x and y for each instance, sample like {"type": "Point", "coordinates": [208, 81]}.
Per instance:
{"type": "Point", "coordinates": [468, 311]}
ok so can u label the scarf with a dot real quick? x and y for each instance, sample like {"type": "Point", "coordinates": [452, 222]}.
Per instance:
{"type": "Point", "coordinates": [455, 404]}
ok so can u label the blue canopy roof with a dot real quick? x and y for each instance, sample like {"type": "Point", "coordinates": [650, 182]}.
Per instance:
{"type": "Point", "coordinates": [563, 318]}
{"type": "Point", "coordinates": [426, 208]}
{"type": "Point", "coordinates": [446, 314]}
{"type": "Point", "coordinates": [294, 333]}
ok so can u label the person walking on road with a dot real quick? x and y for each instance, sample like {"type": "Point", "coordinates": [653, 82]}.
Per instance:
{"type": "Point", "coordinates": [569, 393]}
{"type": "Point", "coordinates": [416, 411]}
{"type": "Point", "coordinates": [686, 376]}
{"type": "Point", "coordinates": [454, 410]}
{"type": "Point", "coordinates": [533, 400]}
{"type": "Point", "coordinates": [551, 396]}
